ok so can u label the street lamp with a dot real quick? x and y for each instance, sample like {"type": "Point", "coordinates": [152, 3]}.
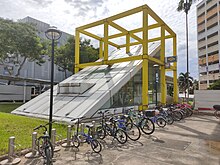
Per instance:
{"type": "Point", "coordinates": [52, 34]}
{"type": "Point", "coordinates": [187, 6]}
{"type": "Point", "coordinates": [156, 79]}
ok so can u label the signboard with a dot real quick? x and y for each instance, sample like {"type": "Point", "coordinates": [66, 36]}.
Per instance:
{"type": "Point", "coordinates": [171, 59]}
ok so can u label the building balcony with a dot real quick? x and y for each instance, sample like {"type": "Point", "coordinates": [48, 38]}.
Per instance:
{"type": "Point", "coordinates": [202, 69]}
{"type": "Point", "coordinates": [202, 61]}
{"type": "Point", "coordinates": [210, 4]}
{"type": "Point", "coordinates": [212, 39]}
{"type": "Point", "coordinates": [201, 27]}
{"type": "Point", "coordinates": [212, 30]}
{"type": "Point", "coordinates": [213, 67]}
{"type": "Point", "coordinates": [203, 86]}
{"type": "Point", "coordinates": [214, 76]}
{"type": "Point", "coordinates": [201, 36]}
{"type": "Point", "coordinates": [211, 12]}
{"type": "Point", "coordinates": [213, 58]}
{"type": "Point", "coordinates": [202, 52]}
{"type": "Point", "coordinates": [212, 21]}
{"type": "Point", "coordinates": [200, 11]}
{"type": "Point", "coordinates": [203, 78]}
{"type": "Point", "coordinates": [213, 48]}
{"type": "Point", "coordinates": [201, 19]}
{"type": "Point", "coordinates": [201, 44]}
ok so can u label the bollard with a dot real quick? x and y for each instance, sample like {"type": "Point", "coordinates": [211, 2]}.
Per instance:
{"type": "Point", "coordinates": [53, 140]}
{"type": "Point", "coordinates": [82, 127]}
{"type": "Point", "coordinates": [11, 159]}
{"type": "Point", "coordinates": [67, 144]}
{"type": "Point", "coordinates": [33, 153]}
{"type": "Point", "coordinates": [93, 133]}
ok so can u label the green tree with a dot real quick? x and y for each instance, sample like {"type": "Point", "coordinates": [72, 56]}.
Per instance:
{"type": "Point", "coordinates": [182, 81]}
{"type": "Point", "coordinates": [215, 85]}
{"type": "Point", "coordinates": [19, 43]}
{"type": "Point", "coordinates": [65, 55]}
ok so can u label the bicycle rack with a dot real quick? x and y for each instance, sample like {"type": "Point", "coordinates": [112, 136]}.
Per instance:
{"type": "Point", "coordinates": [53, 140]}
{"type": "Point", "coordinates": [68, 140]}
{"type": "Point", "coordinates": [11, 147]}
{"type": "Point", "coordinates": [33, 153]}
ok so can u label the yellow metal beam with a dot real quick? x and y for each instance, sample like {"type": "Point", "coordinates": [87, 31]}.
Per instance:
{"type": "Point", "coordinates": [90, 35]}
{"type": "Point", "coordinates": [126, 13]}
{"type": "Point", "coordinates": [77, 42]}
{"type": "Point", "coordinates": [159, 38]}
{"type": "Point", "coordinates": [123, 30]}
{"type": "Point", "coordinates": [159, 62]}
{"type": "Point", "coordinates": [145, 61]}
{"type": "Point", "coordinates": [162, 68]}
{"type": "Point", "coordinates": [131, 44]}
{"type": "Point", "coordinates": [84, 65]}
{"type": "Point", "coordinates": [116, 35]}
{"type": "Point", "coordinates": [114, 44]}
{"type": "Point", "coordinates": [105, 42]}
{"type": "Point", "coordinates": [175, 86]}
{"type": "Point", "coordinates": [97, 23]}
{"type": "Point", "coordinates": [100, 49]}
{"type": "Point", "coordinates": [159, 20]}
{"type": "Point", "coordinates": [128, 43]}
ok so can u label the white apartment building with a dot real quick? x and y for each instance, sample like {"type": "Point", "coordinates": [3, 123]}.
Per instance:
{"type": "Point", "coordinates": [208, 30]}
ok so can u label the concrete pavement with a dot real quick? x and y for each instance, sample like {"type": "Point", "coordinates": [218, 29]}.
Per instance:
{"type": "Point", "coordinates": [193, 141]}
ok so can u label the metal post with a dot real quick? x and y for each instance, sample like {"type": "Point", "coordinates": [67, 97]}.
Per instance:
{"type": "Point", "coordinates": [53, 140]}
{"type": "Point", "coordinates": [93, 129]}
{"type": "Point", "coordinates": [67, 144]}
{"type": "Point", "coordinates": [156, 81]}
{"type": "Point", "coordinates": [186, 8]}
{"type": "Point", "coordinates": [33, 152]}
{"type": "Point", "coordinates": [51, 89]}
{"type": "Point", "coordinates": [11, 160]}
{"type": "Point", "coordinates": [82, 127]}
{"type": "Point", "coordinates": [24, 100]}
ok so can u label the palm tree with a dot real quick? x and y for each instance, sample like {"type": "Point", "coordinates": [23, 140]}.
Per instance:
{"type": "Point", "coordinates": [185, 5]}
{"type": "Point", "coordinates": [185, 82]}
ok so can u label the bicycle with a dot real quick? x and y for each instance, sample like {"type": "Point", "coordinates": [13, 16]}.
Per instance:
{"type": "Point", "coordinates": [217, 111]}
{"type": "Point", "coordinates": [44, 145]}
{"type": "Point", "coordinates": [141, 120]}
{"type": "Point", "coordinates": [110, 128]}
{"type": "Point", "coordinates": [77, 138]}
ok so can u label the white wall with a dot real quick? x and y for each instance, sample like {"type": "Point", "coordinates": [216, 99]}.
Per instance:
{"type": "Point", "coordinates": [12, 92]}
{"type": "Point", "coordinates": [205, 99]}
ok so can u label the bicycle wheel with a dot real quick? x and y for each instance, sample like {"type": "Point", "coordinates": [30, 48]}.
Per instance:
{"type": "Point", "coordinates": [100, 132]}
{"type": "Point", "coordinates": [96, 146]}
{"type": "Point", "coordinates": [48, 156]}
{"type": "Point", "coordinates": [121, 136]}
{"type": "Point", "coordinates": [161, 122]}
{"type": "Point", "coordinates": [44, 144]}
{"type": "Point", "coordinates": [147, 126]}
{"type": "Point", "coordinates": [177, 115]}
{"type": "Point", "coordinates": [217, 114]}
{"type": "Point", "coordinates": [133, 131]}
{"type": "Point", "coordinates": [75, 141]}
{"type": "Point", "coordinates": [169, 119]}
{"type": "Point", "coordinates": [189, 111]}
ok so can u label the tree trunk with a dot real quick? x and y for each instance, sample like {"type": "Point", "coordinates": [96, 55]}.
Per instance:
{"type": "Point", "coordinates": [20, 67]}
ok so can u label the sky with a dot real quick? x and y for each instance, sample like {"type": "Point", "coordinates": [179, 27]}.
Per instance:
{"type": "Point", "coordinates": [66, 15]}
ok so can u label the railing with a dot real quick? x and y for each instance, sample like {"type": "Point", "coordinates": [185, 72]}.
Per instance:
{"type": "Point", "coordinates": [212, 39]}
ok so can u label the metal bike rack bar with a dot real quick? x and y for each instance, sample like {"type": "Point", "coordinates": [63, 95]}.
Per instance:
{"type": "Point", "coordinates": [82, 127]}
{"type": "Point", "coordinates": [33, 153]}
{"type": "Point", "coordinates": [68, 140]}
{"type": "Point", "coordinates": [53, 140]}
{"type": "Point", "coordinates": [11, 147]}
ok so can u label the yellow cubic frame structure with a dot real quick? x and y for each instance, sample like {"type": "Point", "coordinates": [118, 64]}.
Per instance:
{"type": "Point", "coordinates": [165, 33]}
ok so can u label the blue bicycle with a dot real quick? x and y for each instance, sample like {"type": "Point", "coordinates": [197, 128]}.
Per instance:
{"type": "Point", "coordinates": [76, 138]}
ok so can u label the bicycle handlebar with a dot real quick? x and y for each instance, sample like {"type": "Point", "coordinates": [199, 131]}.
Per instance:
{"type": "Point", "coordinates": [43, 126]}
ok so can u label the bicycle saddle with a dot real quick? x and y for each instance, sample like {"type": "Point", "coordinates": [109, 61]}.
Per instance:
{"type": "Point", "coordinates": [89, 126]}
{"type": "Point", "coordinates": [216, 107]}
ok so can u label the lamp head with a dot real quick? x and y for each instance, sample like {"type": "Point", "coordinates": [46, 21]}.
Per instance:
{"type": "Point", "coordinates": [53, 33]}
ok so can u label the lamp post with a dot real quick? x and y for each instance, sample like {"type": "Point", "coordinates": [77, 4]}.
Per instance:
{"type": "Point", "coordinates": [156, 79]}
{"type": "Point", "coordinates": [52, 34]}
{"type": "Point", "coordinates": [186, 9]}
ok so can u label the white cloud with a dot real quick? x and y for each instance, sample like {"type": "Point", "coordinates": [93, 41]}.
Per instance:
{"type": "Point", "coordinates": [69, 14]}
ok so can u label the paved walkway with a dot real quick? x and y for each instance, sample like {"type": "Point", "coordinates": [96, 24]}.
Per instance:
{"type": "Point", "coordinates": [194, 141]}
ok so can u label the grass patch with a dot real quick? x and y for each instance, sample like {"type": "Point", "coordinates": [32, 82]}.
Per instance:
{"type": "Point", "coordinates": [21, 127]}
{"type": "Point", "coordinates": [8, 107]}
